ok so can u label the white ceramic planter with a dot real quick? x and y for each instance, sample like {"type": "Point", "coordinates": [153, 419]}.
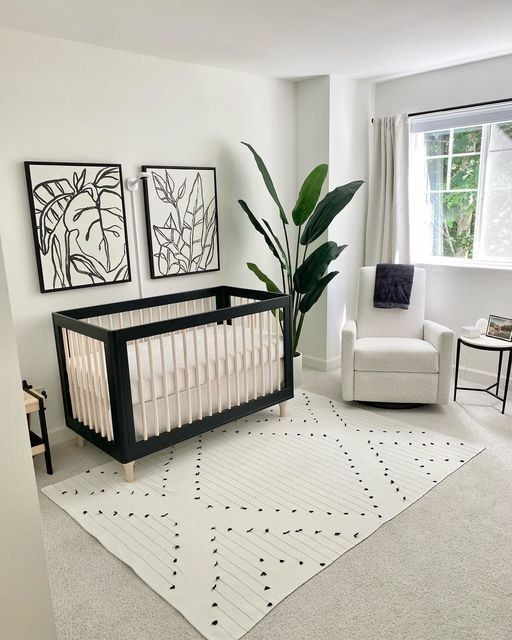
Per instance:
{"type": "Point", "coordinates": [297, 370]}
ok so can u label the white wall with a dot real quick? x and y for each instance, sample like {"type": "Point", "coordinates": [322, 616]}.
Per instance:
{"type": "Point", "coordinates": [26, 609]}
{"type": "Point", "coordinates": [332, 126]}
{"type": "Point", "coordinates": [66, 101]}
{"type": "Point", "coordinates": [312, 133]}
{"type": "Point", "coordinates": [457, 295]}
{"type": "Point", "coordinates": [350, 104]}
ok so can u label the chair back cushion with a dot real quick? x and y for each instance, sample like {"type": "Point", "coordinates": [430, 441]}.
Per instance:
{"type": "Point", "coordinates": [397, 323]}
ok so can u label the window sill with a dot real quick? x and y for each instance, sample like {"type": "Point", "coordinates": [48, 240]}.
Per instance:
{"type": "Point", "coordinates": [443, 265]}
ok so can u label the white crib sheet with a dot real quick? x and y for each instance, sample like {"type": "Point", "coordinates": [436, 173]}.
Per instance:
{"type": "Point", "coordinates": [197, 375]}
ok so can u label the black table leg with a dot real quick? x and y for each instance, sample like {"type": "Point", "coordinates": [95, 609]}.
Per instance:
{"type": "Point", "coordinates": [44, 435]}
{"type": "Point", "coordinates": [499, 374]}
{"type": "Point", "coordinates": [457, 359]}
{"type": "Point", "coordinates": [507, 379]}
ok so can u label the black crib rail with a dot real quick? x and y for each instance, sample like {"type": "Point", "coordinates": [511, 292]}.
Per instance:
{"type": "Point", "coordinates": [124, 447]}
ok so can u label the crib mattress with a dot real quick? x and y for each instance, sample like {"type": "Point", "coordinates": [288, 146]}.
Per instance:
{"type": "Point", "coordinates": [157, 370]}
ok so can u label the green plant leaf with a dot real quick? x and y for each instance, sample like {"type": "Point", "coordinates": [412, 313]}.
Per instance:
{"type": "Point", "coordinates": [256, 224]}
{"type": "Point", "coordinates": [311, 271]}
{"type": "Point", "coordinates": [267, 180]}
{"type": "Point", "coordinates": [271, 286]}
{"type": "Point", "coordinates": [309, 194]}
{"type": "Point", "coordinates": [312, 296]}
{"type": "Point", "coordinates": [327, 209]}
{"type": "Point", "coordinates": [278, 244]}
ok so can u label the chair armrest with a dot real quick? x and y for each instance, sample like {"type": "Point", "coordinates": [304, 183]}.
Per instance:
{"type": "Point", "coordinates": [348, 343]}
{"type": "Point", "coordinates": [439, 336]}
{"type": "Point", "coordinates": [442, 339]}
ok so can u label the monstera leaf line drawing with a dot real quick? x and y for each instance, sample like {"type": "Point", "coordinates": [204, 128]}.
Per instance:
{"type": "Point", "coordinates": [186, 240]}
{"type": "Point", "coordinates": [79, 224]}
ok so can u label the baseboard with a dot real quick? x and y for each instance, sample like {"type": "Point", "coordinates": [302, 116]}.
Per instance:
{"type": "Point", "coordinates": [480, 376]}
{"type": "Point", "coordinates": [60, 434]}
{"type": "Point", "coordinates": [312, 362]}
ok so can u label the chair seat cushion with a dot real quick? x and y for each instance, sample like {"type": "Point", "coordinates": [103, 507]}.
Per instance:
{"type": "Point", "coordinates": [395, 354]}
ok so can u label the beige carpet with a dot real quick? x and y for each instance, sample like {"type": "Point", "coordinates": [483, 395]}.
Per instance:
{"type": "Point", "coordinates": [441, 569]}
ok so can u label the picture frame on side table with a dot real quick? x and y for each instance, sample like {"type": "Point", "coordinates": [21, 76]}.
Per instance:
{"type": "Point", "coordinates": [500, 328]}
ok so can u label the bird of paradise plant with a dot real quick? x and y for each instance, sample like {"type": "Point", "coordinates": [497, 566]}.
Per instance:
{"type": "Point", "coordinates": [303, 272]}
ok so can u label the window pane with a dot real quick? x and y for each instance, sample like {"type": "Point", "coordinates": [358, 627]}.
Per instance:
{"type": "Point", "coordinates": [467, 140]}
{"type": "Point", "coordinates": [501, 136]}
{"type": "Point", "coordinates": [499, 170]}
{"type": "Point", "coordinates": [496, 236]}
{"type": "Point", "coordinates": [437, 170]}
{"type": "Point", "coordinates": [464, 174]}
{"type": "Point", "coordinates": [437, 143]}
{"type": "Point", "coordinates": [459, 224]}
{"type": "Point", "coordinates": [452, 223]}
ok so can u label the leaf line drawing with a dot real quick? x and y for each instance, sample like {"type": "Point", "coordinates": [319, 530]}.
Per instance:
{"type": "Point", "coordinates": [186, 242]}
{"type": "Point", "coordinates": [80, 226]}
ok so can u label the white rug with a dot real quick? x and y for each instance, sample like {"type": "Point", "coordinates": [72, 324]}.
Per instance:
{"type": "Point", "coordinates": [226, 525]}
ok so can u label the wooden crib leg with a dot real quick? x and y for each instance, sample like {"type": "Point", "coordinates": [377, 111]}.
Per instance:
{"type": "Point", "coordinates": [282, 409]}
{"type": "Point", "coordinates": [80, 442]}
{"type": "Point", "coordinates": [128, 471]}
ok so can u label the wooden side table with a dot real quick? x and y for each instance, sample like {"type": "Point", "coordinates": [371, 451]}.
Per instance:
{"type": "Point", "coordinates": [35, 403]}
{"type": "Point", "coordinates": [485, 343]}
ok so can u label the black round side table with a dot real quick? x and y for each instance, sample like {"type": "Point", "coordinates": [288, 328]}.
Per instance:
{"type": "Point", "coordinates": [485, 343]}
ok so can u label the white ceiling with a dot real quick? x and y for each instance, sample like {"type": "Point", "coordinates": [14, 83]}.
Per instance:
{"type": "Point", "coordinates": [283, 38]}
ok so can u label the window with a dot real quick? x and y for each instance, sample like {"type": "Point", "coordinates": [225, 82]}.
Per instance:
{"type": "Point", "coordinates": [461, 186]}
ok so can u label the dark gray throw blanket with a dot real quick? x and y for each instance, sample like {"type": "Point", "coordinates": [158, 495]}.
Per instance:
{"type": "Point", "coordinates": [393, 284]}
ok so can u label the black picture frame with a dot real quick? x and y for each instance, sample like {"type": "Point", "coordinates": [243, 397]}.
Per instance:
{"type": "Point", "coordinates": [88, 258]}
{"type": "Point", "coordinates": [495, 328]}
{"type": "Point", "coordinates": [170, 242]}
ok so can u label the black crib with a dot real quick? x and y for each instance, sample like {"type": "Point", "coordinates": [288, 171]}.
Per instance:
{"type": "Point", "coordinates": [141, 375]}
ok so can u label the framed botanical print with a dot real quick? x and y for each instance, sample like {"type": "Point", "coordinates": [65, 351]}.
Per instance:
{"type": "Point", "coordinates": [181, 220]}
{"type": "Point", "coordinates": [79, 224]}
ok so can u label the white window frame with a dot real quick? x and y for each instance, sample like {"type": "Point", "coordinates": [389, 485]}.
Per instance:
{"type": "Point", "coordinates": [420, 212]}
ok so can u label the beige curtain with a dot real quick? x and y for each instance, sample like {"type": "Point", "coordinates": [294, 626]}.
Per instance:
{"type": "Point", "coordinates": [387, 226]}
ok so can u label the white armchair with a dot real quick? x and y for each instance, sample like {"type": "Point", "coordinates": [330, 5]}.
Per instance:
{"type": "Point", "coordinates": [395, 355]}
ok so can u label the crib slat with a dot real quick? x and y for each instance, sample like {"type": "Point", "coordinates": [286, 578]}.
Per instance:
{"type": "Point", "coordinates": [226, 362]}
{"type": "Point", "coordinates": [78, 377]}
{"type": "Point", "coordinates": [156, 422]}
{"type": "Point", "coordinates": [187, 376]}
{"type": "Point", "coordinates": [262, 353]}
{"type": "Point", "coordinates": [164, 376]}
{"type": "Point", "coordinates": [176, 380]}
{"type": "Point", "coordinates": [198, 386]}
{"type": "Point", "coordinates": [277, 358]}
{"type": "Point", "coordinates": [244, 360]}
{"type": "Point", "coordinates": [85, 370]}
{"type": "Point", "coordinates": [235, 360]}
{"type": "Point", "coordinates": [253, 358]}
{"type": "Point", "coordinates": [98, 401]}
{"type": "Point", "coordinates": [102, 378]}
{"type": "Point", "coordinates": [207, 366]}
{"type": "Point", "coordinates": [140, 384]}
{"type": "Point", "coordinates": [98, 422]}
{"type": "Point", "coordinates": [70, 366]}
{"type": "Point", "coordinates": [269, 344]}
{"type": "Point", "coordinates": [217, 366]}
